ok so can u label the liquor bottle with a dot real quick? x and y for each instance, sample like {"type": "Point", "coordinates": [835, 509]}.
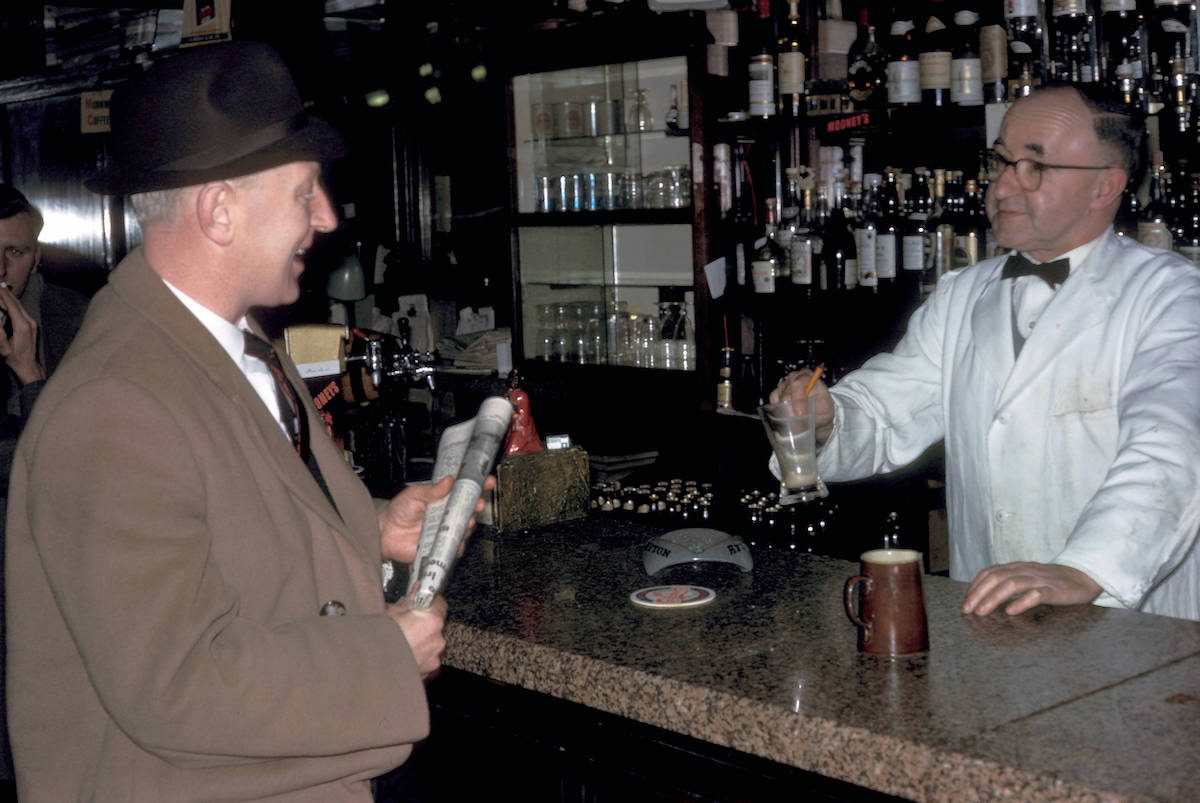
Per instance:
{"type": "Point", "coordinates": [1176, 94]}
{"type": "Point", "coordinates": [866, 230]}
{"type": "Point", "coordinates": [793, 50]}
{"type": "Point", "coordinates": [761, 69]}
{"type": "Point", "coordinates": [1189, 242]}
{"type": "Point", "coordinates": [1125, 51]}
{"type": "Point", "coordinates": [1074, 56]}
{"type": "Point", "coordinates": [787, 223]}
{"type": "Point", "coordinates": [743, 218]}
{"type": "Point", "coordinates": [935, 56]}
{"type": "Point", "coordinates": [790, 211]}
{"type": "Point", "coordinates": [904, 69]}
{"type": "Point", "coordinates": [1026, 46]}
{"type": "Point", "coordinates": [725, 380]}
{"type": "Point", "coordinates": [805, 249]}
{"type": "Point", "coordinates": [916, 253]}
{"type": "Point", "coordinates": [1173, 36]}
{"type": "Point", "coordinates": [889, 233]}
{"type": "Point", "coordinates": [823, 280]}
{"type": "Point", "coordinates": [769, 260]}
{"type": "Point", "coordinates": [867, 74]}
{"type": "Point", "coordinates": [942, 221]}
{"type": "Point", "coordinates": [1178, 206]}
{"type": "Point", "coordinates": [971, 235]}
{"type": "Point", "coordinates": [840, 254]}
{"type": "Point", "coordinates": [1153, 228]}
{"type": "Point", "coordinates": [993, 55]}
{"type": "Point", "coordinates": [671, 118]}
{"type": "Point", "coordinates": [834, 37]}
{"type": "Point", "coordinates": [966, 69]}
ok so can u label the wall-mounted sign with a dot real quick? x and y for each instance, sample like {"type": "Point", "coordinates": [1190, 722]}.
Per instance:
{"type": "Point", "coordinates": [858, 120]}
{"type": "Point", "coordinates": [205, 22]}
{"type": "Point", "coordinates": [93, 112]}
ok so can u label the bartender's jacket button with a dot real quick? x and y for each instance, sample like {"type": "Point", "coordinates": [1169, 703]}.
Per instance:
{"type": "Point", "coordinates": [333, 608]}
{"type": "Point", "coordinates": [1001, 515]}
{"type": "Point", "coordinates": [1004, 418]}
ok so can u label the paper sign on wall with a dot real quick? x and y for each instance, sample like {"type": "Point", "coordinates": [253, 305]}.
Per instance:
{"type": "Point", "coordinates": [93, 112]}
{"type": "Point", "coordinates": [205, 22]}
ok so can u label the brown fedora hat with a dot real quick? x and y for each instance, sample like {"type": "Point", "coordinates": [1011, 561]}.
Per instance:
{"type": "Point", "coordinates": [210, 113]}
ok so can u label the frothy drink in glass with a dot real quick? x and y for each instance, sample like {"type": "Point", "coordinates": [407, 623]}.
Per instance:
{"type": "Point", "coordinates": [791, 429]}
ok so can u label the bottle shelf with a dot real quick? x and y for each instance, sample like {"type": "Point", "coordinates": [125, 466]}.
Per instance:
{"type": "Point", "coordinates": [586, 141]}
{"type": "Point", "coordinates": [648, 217]}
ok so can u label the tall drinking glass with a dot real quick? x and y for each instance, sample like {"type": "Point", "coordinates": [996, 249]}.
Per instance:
{"type": "Point", "coordinates": [792, 433]}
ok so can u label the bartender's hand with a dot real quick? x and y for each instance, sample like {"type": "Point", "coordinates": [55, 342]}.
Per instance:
{"type": "Point", "coordinates": [1028, 585]}
{"type": "Point", "coordinates": [792, 387]}
{"type": "Point", "coordinates": [423, 632]}
{"type": "Point", "coordinates": [400, 521]}
{"type": "Point", "coordinates": [20, 350]}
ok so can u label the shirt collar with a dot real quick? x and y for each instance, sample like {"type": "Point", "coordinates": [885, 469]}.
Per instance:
{"type": "Point", "coordinates": [1076, 256]}
{"type": "Point", "coordinates": [227, 334]}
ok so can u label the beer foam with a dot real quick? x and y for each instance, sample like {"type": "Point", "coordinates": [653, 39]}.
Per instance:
{"type": "Point", "coordinates": [890, 556]}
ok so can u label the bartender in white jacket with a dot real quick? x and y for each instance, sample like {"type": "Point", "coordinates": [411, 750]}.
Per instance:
{"type": "Point", "coordinates": [1069, 404]}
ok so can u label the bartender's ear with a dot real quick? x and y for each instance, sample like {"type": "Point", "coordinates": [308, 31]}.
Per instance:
{"type": "Point", "coordinates": [1109, 187]}
{"type": "Point", "coordinates": [213, 211]}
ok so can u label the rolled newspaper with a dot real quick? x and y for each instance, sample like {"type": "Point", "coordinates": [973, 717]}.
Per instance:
{"type": "Point", "coordinates": [466, 451]}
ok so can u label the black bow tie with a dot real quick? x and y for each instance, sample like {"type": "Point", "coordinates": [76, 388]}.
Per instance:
{"type": "Point", "coordinates": [1053, 273]}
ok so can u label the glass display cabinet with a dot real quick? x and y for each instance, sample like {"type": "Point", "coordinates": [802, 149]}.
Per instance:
{"type": "Point", "coordinates": [604, 224]}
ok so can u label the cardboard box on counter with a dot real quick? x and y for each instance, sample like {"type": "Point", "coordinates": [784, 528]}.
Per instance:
{"type": "Point", "coordinates": [542, 488]}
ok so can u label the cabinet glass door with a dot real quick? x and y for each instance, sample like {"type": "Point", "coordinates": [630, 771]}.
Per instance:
{"type": "Point", "coordinates": [606, 270]}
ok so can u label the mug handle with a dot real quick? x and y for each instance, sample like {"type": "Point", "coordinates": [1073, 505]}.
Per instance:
{"type": "Point", "coordinates": [848, 599]}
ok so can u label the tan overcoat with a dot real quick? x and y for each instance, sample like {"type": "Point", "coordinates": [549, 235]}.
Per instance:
{"type": "Point", "coordinates": [167, 557]}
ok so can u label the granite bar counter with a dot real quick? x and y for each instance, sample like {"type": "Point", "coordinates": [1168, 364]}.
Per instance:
{"type": "Point", "coordinates": [1081, 703]}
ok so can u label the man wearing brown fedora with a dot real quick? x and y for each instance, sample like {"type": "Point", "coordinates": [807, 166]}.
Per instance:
{"type": "Point", "coordinates": [195, 604]}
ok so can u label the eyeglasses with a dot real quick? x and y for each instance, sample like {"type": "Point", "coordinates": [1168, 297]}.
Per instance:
{"type": "Point", "coordinates": [1029, 172]}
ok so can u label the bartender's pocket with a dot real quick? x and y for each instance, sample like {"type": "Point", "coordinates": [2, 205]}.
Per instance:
{"type": "Point", "coordinates": [1083, 398]}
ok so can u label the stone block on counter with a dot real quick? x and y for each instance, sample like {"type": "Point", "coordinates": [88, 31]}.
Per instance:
{"type": "Point", "coordinates": [536, 489]}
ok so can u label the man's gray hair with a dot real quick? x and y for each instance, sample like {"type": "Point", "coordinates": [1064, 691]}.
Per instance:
{"type": "Point", "coordinates": [162, 205]}
{"type": "Point", "coordinates": [156, 206]}
{"type": "Point", "coordinates": [1117, 126]}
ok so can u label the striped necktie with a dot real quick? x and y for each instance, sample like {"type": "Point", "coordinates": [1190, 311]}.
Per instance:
{"type": "Point", "coordinates": [291, 410]}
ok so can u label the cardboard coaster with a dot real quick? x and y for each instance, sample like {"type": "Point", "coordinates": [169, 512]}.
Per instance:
{"type": "Point", "coordinates": [680, 596]}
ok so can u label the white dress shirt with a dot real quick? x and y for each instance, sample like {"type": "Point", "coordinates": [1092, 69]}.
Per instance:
{"type": "Point", "coordinates": [233, 341]}
{"type": "Point", "coordinates": [1031, 294]}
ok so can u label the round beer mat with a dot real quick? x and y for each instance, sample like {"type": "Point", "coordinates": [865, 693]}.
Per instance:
{"type": "Point", "coordinates": [672, 596]}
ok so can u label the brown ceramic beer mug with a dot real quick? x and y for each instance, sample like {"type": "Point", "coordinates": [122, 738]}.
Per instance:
{"type": "Point", "coordinates": [891, 615]}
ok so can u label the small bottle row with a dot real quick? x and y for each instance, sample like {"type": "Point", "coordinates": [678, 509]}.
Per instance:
{"type": "Point", "coordinates": [599, 116]}
{"type": "Point", "coordinates": [593, 191]}
{"type": "Point", "coordinates": [587, 333]}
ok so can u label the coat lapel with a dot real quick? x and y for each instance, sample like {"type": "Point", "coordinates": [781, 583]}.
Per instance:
{"type": "Point", "coordinates": [991, 327]}
{"type": "Point", "coordinates": [145, 291]}
{"type": "Point", "coordinates": [1084, 301]}
{"type": "Point", "coordinates": [347, 490]}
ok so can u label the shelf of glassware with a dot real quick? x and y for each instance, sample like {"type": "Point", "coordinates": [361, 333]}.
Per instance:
{"type": "Point", "coordinates": [608, 295]}
{"type": "Point", "coordinates": [603, 138]}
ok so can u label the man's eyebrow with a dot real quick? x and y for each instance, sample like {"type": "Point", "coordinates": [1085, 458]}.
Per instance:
{"type": "Point", "coordinates": [1035, 148]}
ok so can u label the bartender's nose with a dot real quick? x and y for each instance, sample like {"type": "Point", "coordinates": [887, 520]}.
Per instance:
{"type": "Point", "coordinates": [321, 216]}
{"type": "Point", "coordinates": [1006, 185]}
